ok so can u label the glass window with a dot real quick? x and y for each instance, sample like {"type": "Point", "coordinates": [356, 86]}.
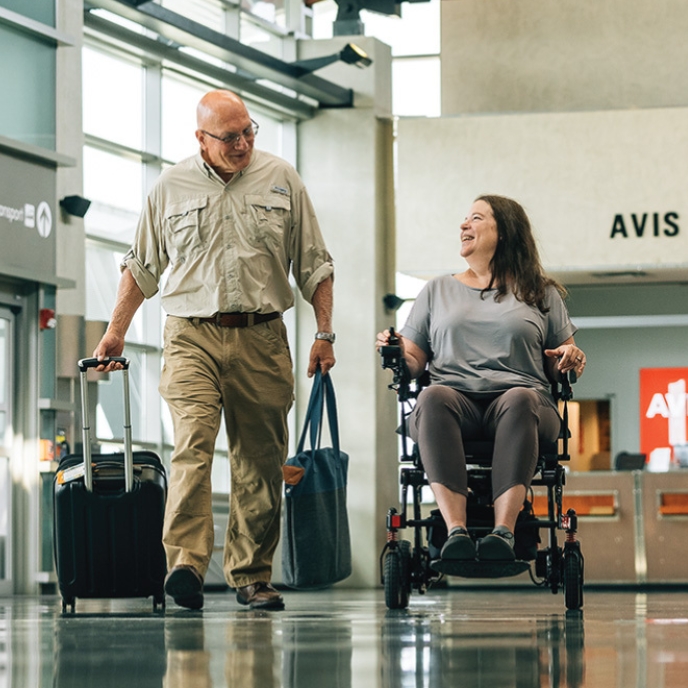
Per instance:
{"type": "Point", "coordinates": [41, 10]}
{"type": "Point", "coordinates": [113, 98]}
{"type": "Point", "coordinates": [270, 133]}
{"type": "Point", "coordinates": [416, 87]}
{"type": "Point", "coordinates": [417, 32]}
{"type": "Point", "coordinates": [209, 13]}
{"type": "Point", "coordinates": [112, 180]}
{"type": "Point", "coordinates": [102, 281]}
{"type": "Point", "coordinates": [110, 408]}
{"type": "Point", "coordinates": [27, 75]}
{"type": "Point", "coordinates": [179, 100]}
{"type": "Point", "coordinates": [260, 39]}
{"type": "Point", "coordinates": [102, 278]}
{"type": "Point", "coordinates": [269, 10]}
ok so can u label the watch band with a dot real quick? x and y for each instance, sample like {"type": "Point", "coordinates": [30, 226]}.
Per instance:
{"type": "Point", "coordinates": [327, 336]}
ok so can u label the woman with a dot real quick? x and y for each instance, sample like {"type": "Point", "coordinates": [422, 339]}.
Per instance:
{"type": "Point", "coordinates": [492, 338]}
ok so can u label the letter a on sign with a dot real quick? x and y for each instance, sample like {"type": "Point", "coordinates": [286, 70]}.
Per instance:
{"type": "Point", "coordinates": [664, 411]}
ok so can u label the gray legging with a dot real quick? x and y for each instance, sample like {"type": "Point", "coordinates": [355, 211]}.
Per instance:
{"type": "Point", "coordinates": [444, 417]}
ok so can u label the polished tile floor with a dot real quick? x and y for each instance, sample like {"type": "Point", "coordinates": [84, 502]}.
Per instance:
{"type": "Point", "coordinates": [464, 638]}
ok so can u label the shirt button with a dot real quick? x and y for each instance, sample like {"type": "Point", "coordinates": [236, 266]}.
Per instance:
{"type": "Point", "coordinates": [228, 217]}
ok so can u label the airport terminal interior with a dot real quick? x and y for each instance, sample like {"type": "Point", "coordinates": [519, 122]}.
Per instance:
{"type": "Point", "coordinates": [397, 114]}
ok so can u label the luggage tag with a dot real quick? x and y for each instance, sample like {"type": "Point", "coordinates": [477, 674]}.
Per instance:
{"type": "Point", "coordinates": [70, 474]}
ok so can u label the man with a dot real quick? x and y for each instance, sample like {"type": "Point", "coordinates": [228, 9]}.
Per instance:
{"type": "Point", "coordinates": [229, 223]}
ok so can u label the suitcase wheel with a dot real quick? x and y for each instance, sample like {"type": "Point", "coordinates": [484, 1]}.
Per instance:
{"type": "Point", "coordinates": [159, 602]}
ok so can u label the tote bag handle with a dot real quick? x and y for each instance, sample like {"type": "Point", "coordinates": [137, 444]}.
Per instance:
{"type": "Point", "coordinates": [322, 394]}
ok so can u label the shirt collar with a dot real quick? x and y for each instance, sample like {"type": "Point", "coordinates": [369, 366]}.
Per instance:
{"type": "Point", "coordinates": [211, 174]}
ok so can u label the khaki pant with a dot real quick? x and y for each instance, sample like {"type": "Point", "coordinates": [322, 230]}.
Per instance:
{"type": "Point", "coordinates": [247, 374]}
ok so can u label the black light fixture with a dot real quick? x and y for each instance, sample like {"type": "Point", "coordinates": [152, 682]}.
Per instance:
{"type": "Point", "coordinates": [75, 205]}
{"type": "Point", "coordinates": [350, 53]}
{"type": "Point", "coordinates": [393, 302]}
{"type": "Point", "coordinates": [348, 21]}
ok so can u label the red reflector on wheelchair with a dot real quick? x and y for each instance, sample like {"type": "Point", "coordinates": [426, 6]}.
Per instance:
{"type": "Point", "coordinates": [395, 521]}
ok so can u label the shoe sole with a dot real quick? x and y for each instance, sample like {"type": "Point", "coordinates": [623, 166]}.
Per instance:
{"type": "Point", "coordinates": [185, 588]}
{"type": "Point", "coordinates": [495, 549]}
{"type": "Point", "coordinates": [462, 549]}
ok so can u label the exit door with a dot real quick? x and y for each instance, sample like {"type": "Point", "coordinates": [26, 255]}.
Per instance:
{"type": "Point", "coordinates": [6, 401]}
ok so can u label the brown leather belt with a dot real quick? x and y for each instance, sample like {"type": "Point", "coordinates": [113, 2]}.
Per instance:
{"type": "Point", "coordinates": [238, 319]}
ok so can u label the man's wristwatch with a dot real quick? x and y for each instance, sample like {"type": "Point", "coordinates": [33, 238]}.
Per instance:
{"type": "Point", "coordinates": [327, 336]}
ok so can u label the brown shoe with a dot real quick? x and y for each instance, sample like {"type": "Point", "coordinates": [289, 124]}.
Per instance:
{"type": "Point", "coordinates": [185, 585]}
{"type": "Point", "coordinates": [259, 595]}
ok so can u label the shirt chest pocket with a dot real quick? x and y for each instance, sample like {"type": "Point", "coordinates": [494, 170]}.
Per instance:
{"type": "Point", "coordinates": [184, 224]}
{"type": "Point", "coordinates": [269, 217]}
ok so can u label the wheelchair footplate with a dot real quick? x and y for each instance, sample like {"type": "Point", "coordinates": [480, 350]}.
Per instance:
{"type": "Point", "coordinates": [473, 568]}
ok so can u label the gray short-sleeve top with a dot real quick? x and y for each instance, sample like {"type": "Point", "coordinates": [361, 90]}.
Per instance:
{"type": "Point", "coordinates": [480, 345]}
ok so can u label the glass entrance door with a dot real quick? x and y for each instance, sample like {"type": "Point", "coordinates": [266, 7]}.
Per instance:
{"type": "Point", "coordinates": [6, 399]}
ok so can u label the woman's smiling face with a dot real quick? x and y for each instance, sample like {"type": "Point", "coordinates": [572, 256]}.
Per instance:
{"type": "Point", "coordinates": [479, 234]}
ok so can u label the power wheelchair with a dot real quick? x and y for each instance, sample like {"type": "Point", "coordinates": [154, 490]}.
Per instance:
{"type": "Point", "coordinates": [416, 565]}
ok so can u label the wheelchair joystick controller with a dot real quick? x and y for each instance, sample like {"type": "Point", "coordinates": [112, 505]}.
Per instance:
{"type": "Point", "coordinates": [391, 352]}
{"type": "Point", "coordinates": [393, 358]}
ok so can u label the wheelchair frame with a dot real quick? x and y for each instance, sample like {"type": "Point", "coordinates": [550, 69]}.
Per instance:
{"type": "Point", "coordinates": [407, 566]}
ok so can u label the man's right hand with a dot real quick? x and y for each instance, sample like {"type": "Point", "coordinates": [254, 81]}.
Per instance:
{"type": "Point", "coordinates": [110, 345]}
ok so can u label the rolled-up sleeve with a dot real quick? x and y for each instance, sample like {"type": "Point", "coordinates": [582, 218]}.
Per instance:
{"type": "Point", "coordinates": [147, 259]}
{"type": "Point", "coordinates": [311, 262]}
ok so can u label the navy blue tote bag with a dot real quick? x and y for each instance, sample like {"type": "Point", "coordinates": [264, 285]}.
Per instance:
{"type": "Point", "coordinates": [316, 549]}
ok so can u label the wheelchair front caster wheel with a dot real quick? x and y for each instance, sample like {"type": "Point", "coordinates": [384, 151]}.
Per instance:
{"type": "Point", "coordinates": [397, 571]}
{"type": "Point", "coordinates": [573, 580]}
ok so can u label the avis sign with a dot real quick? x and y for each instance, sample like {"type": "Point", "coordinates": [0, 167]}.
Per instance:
{"type": "Point", "coordinates": [664, 417]}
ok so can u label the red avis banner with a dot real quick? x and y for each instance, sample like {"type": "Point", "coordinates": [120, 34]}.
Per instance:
{"type": "Point", "coordinates": [664, 417]}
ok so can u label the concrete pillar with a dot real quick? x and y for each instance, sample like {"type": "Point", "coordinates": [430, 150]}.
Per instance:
{"type": "Point", "coordinates": [345, 159]}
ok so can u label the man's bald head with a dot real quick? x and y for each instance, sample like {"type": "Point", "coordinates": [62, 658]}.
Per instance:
{"type": "Point", "coordinates": [222, 115]}
{"type": "Point", "coordinates": [218, 106]}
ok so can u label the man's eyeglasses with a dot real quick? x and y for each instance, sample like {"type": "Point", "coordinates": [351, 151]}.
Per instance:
{"type": "Point", "coordinates": [233, 139]}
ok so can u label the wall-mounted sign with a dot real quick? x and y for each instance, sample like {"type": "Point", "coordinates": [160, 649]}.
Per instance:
{"type": "Point", "coordinates": [27, 219]}
{"type": "Point", "coordinates": [664, 417]}
{"type": "Point", "coordinates": [597, 202]}
{"type": "Point", "coordinates": [646, 225]}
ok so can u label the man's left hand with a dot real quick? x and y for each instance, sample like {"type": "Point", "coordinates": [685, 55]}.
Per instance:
{"type": "Point", "coordinates": [322, 354]}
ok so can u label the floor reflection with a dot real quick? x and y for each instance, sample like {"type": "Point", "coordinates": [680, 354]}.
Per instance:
{"type": "Point", "coordinates": [348, 639]}
{"type": "Point", "coordinates": [433, 652]}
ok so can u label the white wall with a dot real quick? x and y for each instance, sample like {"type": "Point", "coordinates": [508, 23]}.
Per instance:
{"type": "Point", "coordinates": [558, 55]}
{"type": "Point", "coordinates": [591, 182]}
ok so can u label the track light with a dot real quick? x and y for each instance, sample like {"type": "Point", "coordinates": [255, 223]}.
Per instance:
{"type": "Point", "coordinates": [350, 54]}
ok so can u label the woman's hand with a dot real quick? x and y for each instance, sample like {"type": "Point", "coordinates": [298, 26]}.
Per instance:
{"type": "Point", "coordinates": [566, 357]}
{"type": "Point", "coordinates": [415, 357]}
{"type": "Point", "coordinates": [382, 339]}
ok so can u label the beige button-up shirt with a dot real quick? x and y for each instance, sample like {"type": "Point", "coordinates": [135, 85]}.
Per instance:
{"type": "Point", "coordinates": [229, 246]}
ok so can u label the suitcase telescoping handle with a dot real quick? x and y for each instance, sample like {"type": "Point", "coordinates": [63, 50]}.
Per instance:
{"type": "Point", "coordinates": [84, 365]}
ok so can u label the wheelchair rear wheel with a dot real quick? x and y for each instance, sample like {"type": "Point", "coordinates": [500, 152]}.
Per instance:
{"type": "Point", "coordinates": [397, 570]}
{"type": "Point", "coordinates": [573, 580]}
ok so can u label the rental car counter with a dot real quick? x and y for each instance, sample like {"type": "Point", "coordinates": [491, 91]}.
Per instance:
{"type": "Point", "coordinates": [633, 525]}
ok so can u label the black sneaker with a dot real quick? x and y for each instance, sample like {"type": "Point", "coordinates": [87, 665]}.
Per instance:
{"type": "Point", "coordinates": [497, 546]}
{"type": "Point", "coordinates": [458, 546]}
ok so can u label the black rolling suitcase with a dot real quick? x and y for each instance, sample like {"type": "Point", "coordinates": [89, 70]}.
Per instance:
{"type": "Point", "coordinates": [108, 515]}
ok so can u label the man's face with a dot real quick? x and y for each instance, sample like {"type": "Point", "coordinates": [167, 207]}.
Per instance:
{"type": "Point", "coordinates": [227, 140]}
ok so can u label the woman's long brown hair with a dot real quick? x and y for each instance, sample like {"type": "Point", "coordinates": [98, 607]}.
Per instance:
{"type": "Point", "coordinates": [516, 263]}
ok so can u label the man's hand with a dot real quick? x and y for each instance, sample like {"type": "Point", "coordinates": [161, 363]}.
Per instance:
{"type": "Point", "coordinates": [110, 345]}
{"type": "Point", "coordinates": [322, 354]}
